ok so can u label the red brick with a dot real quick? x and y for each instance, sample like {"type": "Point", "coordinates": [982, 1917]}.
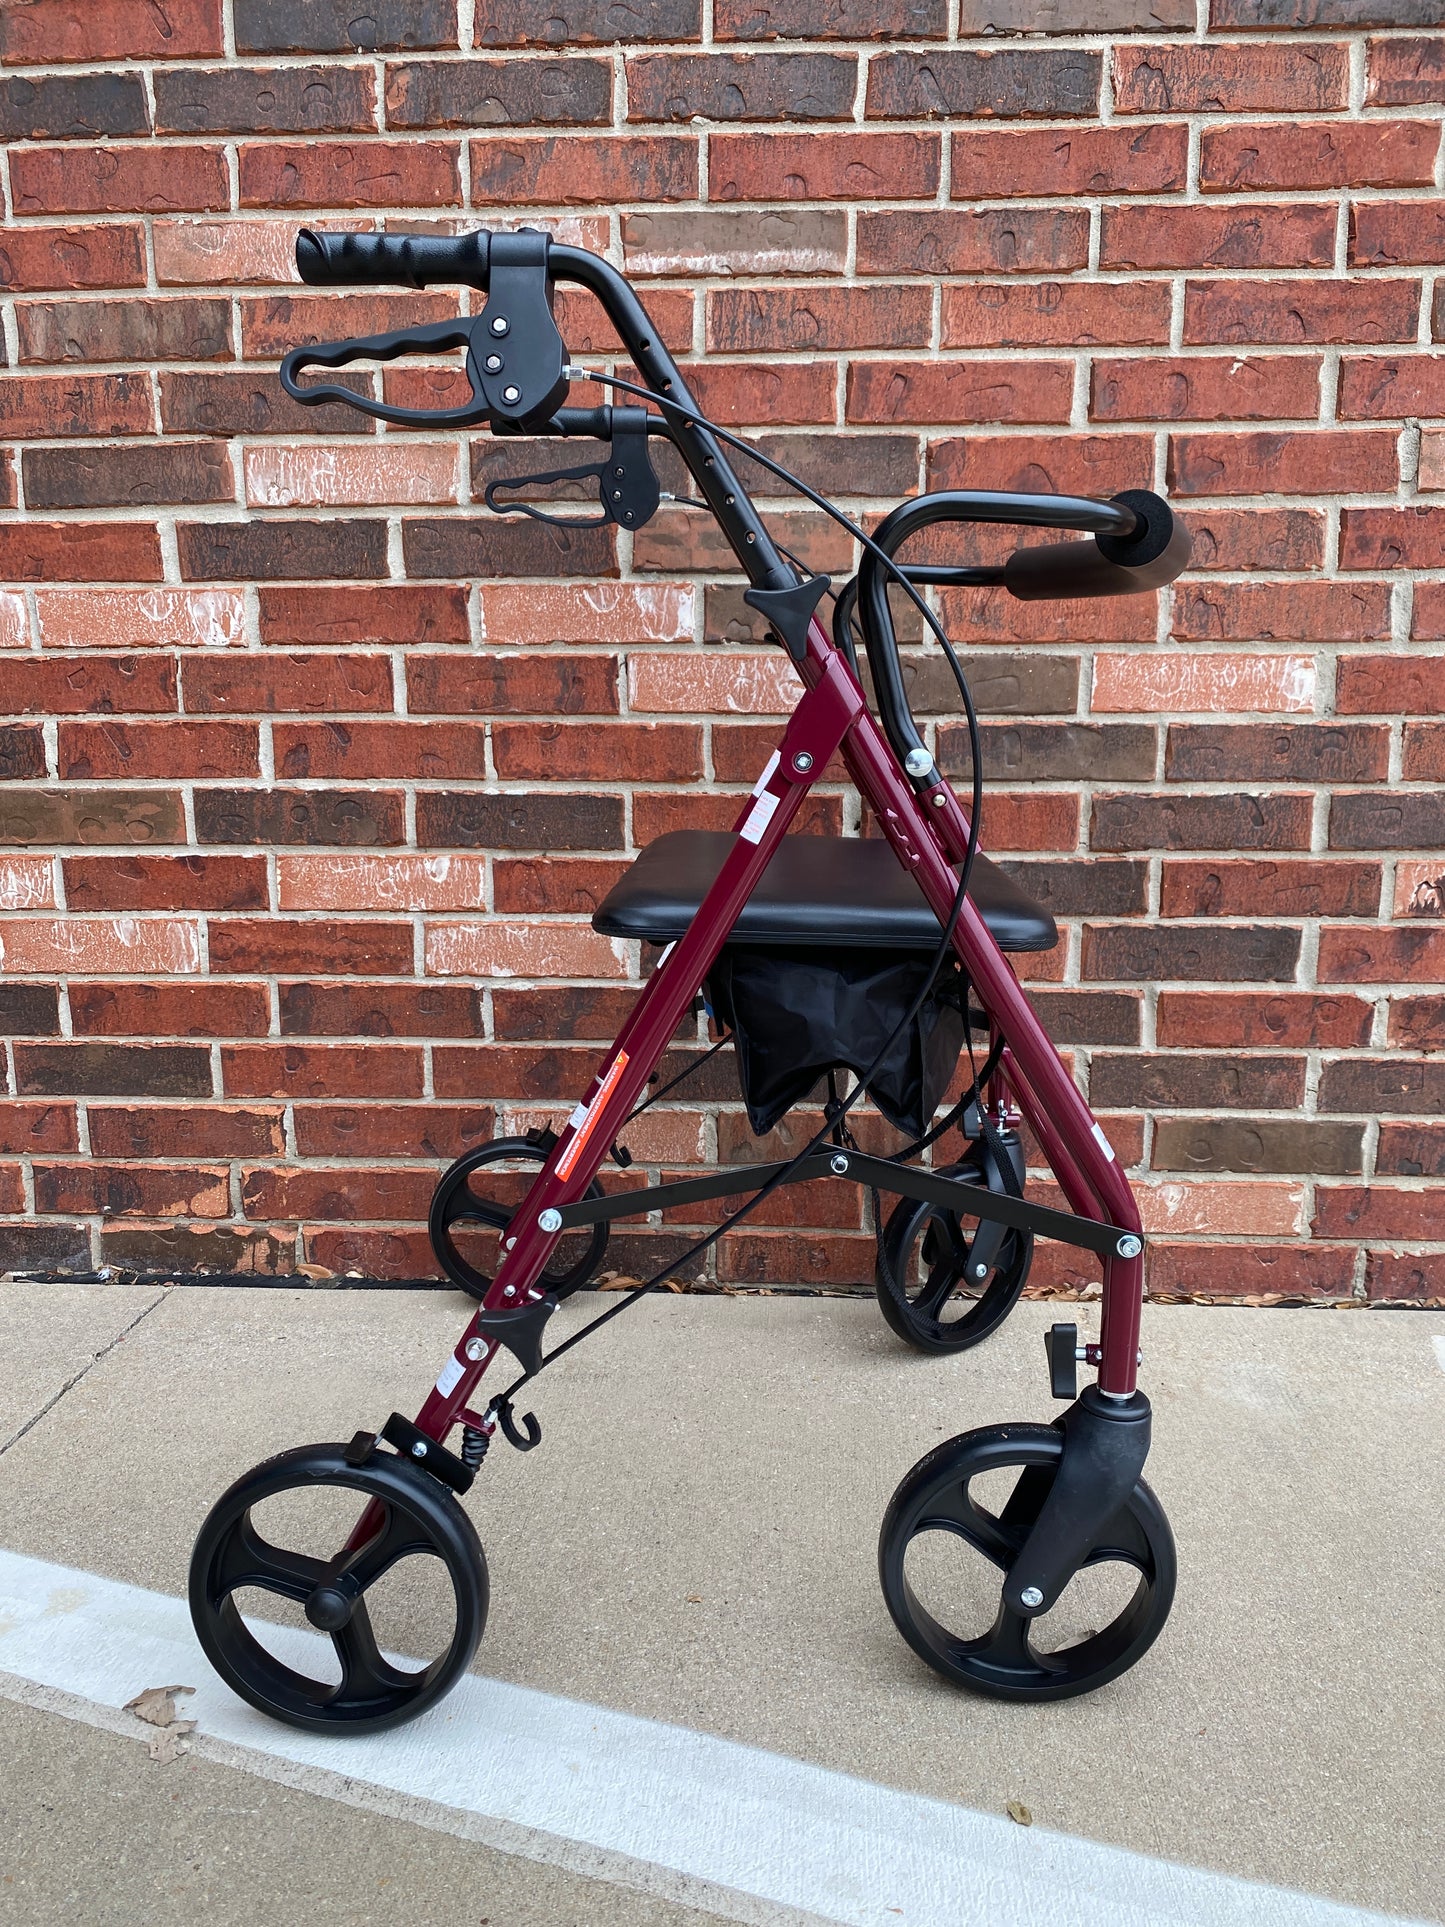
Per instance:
{"type": "Point", "coordinates": [1282, 612]}
{"type": "Point", "coordinates": [397, 613]}
{"type": "Point", "coordinates": [70, 685]}
{"type": "Point", "coordinates": [80, 552]}
{"type": "Point", "coordinates": [1405, 538]}
{"type": "Point", "coordinates": [91, 752]}
{"type": "Point", "coordinates": [760, 320]}
{"type": "Point", "coordinates": [1416, 1023]}
{"type": "Point", "coordinates": [1256, 538]}
{"type": "Point", "coordinates": [483, 685]}
{"type": "Point", "coordinates": [409, 1130]}
{"type": "Point", "coordinates": [430, 752]}
{"type": "Point", "coordinates": [321, 1070]}
{"type": "Point", "coordinates": [1383, 234]}
{"type": "Point", "coordinates": [1072, 464]}
{"type": "Point", "coordinates": [206, 1010]}
{"type": "Point", "coordinates": [1360, 153]}
{"type": "Point", "coordinates": [553, 886]}
{"type": "Point", "coordinates": [1222, 79]}
{"type": "Point", "coordinates": [29, 1129]}
{"type": "Point", "coordinates": [1322, 463]}
{"type": "Point", "coordinates": [134, 1191]}
{"type": "Point", "coordinates": [558, 753]}
{"type": "Point", "coordinates": [972, 241]}
{"type": "Point", "coordinates": [350, 1192]}
{"type": "Point", "coordinates": [985, 616]}
{"type": "Point", "coordinates": [367, 174]}
{"type": "Point", "coordinates": [353, 1252]}
{"type": "Point", "coordinates": [655, 812]}
{"type": "Point", "coordinates": [112, 256]}
{"type": "Point", "coordinates": [822, 167]}
{"type": "Point", "coordinates": [1397, 1277]}
{"type": "Point", "coordinates": [385, 1010]}
{"type": "Point", "coordinates": [251, 684]}
{"type": "Point", "coordinates": [790, 393]}
{"type": "Point", "coordinates": [1266, 236]}
{"type": "Point", "coordinates": [46, 405]}
{"type": "Point", "coordinates": [221, 252]}
{"type": "Point", "coordinates": [829, 20]}
{"type": "Point", "coordinates": [1205, 388]}
{"type": "Point", "coordinates": [1397, 954]}
{"type": "Point", "coordinates": [1296, 1020]}
{"type": "Point", "coordinates": [1374, 1211]}
{"type": "Point", "coordinates": [1249, 1271]}
{"type": "Point", "coordinates": [574, 170]}
{"type": "Point", "coordinates": [1429, 618]}
{"type": "Point", "coordinates": [887, 391]}
{"type": "Point", "coordinates": [1424, 753]}
{"type": "Point", "coordinates": [110, 179]}
{"type": "Point", "coordinates": [273, 324]}
{"type": "Point", "coordinates": [1391, 387]}
{"type": "Point", "coordinates": [676, 541]}
{"type": "Point", "coordinates": [41, 31]}
{"type": "Point", "coordinates": [165, 882]}
{"type": "Point", "coordinates": [1054, 314]}
{"type": "Point", "coordinates": [584, 325]}
{"type": "Point", "coordinates": [140, 618]}
{"type": "Point", "coordinates": [102, 946]}
{"type": "Point", "coordinates": [1181, 681]}
{"type": "Point", "coordinates": [198, 1130]}
{"type": "Point", "coordinates": [1406, 72]}
{"type": "Point", "coordinates": [1289, 312]}
{"type": "Point", "coordinates": [1074, 160]}
{"type": "Point", "coordinates": [517, 949]}
{"type": "Point", "coordinates": [1264, 889]}
{"type": "Point", "coordinates": [290, 948]}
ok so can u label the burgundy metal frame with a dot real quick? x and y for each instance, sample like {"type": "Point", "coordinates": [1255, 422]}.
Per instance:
{"type": "Point", "coordinates": [928, 833]}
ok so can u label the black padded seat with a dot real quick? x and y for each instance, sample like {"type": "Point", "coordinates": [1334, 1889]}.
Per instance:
{"type": "Point", "coordinates": [817, 890]}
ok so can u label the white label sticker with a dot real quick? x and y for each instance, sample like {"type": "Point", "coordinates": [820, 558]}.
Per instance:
{"type": "Point", "coordinates": [767, 775]}
{"type": "Point", "coordinates": [1104, 1145]}
{"type": "Point", "coordinates": [759, 817]}
{"type": "Point", "coordinates": [578, 1117]}
{"type": "Point", "coordinates": [451, 1376]}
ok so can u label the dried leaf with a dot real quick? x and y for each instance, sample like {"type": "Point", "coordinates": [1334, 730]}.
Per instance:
{"type": "Point", "coordinates": [617, 1281]}
{"type": "Point", "coordinates": [694, 1599]}
{"type": "Point", "coordinates": [315, 1271]}
{"type": "Point", "coordinates": [157, 1704]}
{"type": "Point", "coordinates": [1016, 1810]}
{"type": "Point", "coordinates": [171, 1742]}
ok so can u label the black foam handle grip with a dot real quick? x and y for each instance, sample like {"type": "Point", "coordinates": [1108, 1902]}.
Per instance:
{"type": "Point", "coordinates": [400, 260]}
{"type": "Point", "coordinates": [1105, 565]}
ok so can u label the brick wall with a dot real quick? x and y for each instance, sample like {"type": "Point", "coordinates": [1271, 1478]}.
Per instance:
{"type": "Point", "coordinates": [313, 772]}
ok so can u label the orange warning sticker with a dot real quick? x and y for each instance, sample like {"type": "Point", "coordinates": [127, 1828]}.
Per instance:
{"type": "Point", "coordinates": [592, 1116]}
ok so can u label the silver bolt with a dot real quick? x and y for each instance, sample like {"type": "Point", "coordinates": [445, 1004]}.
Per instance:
{"type": "Point", "coordinates": [549, 1220]}
{"type": "Point", "coordinates": [507, 1243]}
{"type": "Point", "coordinates": [509, 1291]}
{"type": "Point", "coordinates": [1031, 1597]}
{"type": "Point", "coordinates": [918, 762]}
{"type": "Point", "coordinates": [938, 800]}
{"type": "Point", "coordinates": [838, 1164]}
{"type": "Point", "coordinates": [980, 1271]}
{"type": "Point", "coordinates": [493, 364]}
{"type": "Point", "coordinates": [499, 324]}
{"type": "Point", "coordinates": [511, 393]}
{"type": "Point", "coordinates": [1129, 1246]}
{"type": "Point", "coordinates": [476, 1350]}
{"type": "Point", "coordinates": [802, 762]}
{"type": "Point", "coordinates": [418, 1451]}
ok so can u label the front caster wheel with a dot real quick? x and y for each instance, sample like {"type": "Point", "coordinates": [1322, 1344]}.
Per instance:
{"type": "Point", "coordinates": [380, 1533]}
{"type": "Point", "coordinates": [952, 1532]}
{"type": "Point", "coordinates": [946, 1283]}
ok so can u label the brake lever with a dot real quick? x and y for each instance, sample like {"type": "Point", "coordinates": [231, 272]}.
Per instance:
{"type": "Point", "coordinates": [627, 487]}
{"type": "Point", "coordinates": [430, 339]}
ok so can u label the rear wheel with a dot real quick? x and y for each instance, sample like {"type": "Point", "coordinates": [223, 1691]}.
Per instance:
{"type": "Point", "coordinates": [473, 1205]}
{"type": "Point", "coordinates": [939, 1287]}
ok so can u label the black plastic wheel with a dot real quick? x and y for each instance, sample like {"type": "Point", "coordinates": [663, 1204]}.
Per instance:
{"type": "Point", "coordinates": [1049, 1657]}
{"type": "Point", "coordinates": [928, 1250]}
{"type": "Point", "coordinates": [408, 1515]}
{"type": "Point", "coordinates": [457, 1205]}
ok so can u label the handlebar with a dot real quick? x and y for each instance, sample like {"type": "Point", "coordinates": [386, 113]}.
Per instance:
{"type": "Point", "coordinates": [406, 260]}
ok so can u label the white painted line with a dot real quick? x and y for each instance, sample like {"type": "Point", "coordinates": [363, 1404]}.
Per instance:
{"type": "Point", "coordinates": [747, 1834]}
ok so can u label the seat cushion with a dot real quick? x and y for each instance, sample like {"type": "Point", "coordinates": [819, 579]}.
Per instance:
{"type": "Point", "coordinates": [817, 890]}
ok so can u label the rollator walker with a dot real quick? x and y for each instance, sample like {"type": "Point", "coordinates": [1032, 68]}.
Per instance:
{"type": "Point", "coordinates": [882, 956]}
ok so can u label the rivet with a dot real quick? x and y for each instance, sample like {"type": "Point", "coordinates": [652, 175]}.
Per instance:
{"type": "Point", "coordinates": [476, 1349]}
{"type": "Point", "coordinates": [418, 1451]}
{"type": "Point", "coordinates": [838, 1164]}
{"type": "Point", "coordinates": [499, 324]}
{"type": "Point", "coordinates": [802, 762]}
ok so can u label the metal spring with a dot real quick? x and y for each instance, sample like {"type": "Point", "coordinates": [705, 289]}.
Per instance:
{"type": "Point", "coordinates": [474, 1446]}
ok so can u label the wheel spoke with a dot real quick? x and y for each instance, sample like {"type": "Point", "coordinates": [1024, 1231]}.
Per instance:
{"type": "Point", "coordinates": [937, 1288]}
{"type": "Point", "coordinates": [365, 1674]}
{"type": "Point", "coordinates": [250, 1560]}
{"type": "Point", "coordinates": [467, 1208]}
{"type": "Point", "coordinates": [363, 1565]}
{"type": "Point", "coordinates": [1007, 1643]}
{"type": "Point", "coordinates": [955, 1512]}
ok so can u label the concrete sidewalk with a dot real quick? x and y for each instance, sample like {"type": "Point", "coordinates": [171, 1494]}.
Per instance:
{"type": "Point", "coordinates": [695, 1543]}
